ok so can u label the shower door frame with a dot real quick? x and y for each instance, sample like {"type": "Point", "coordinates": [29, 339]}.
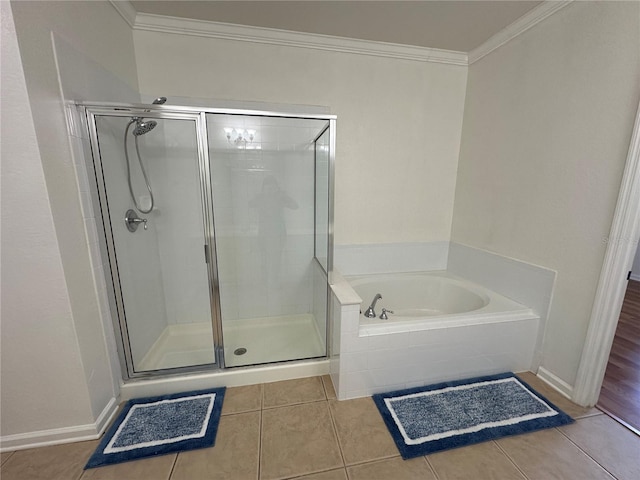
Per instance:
{"type": "Point", "coordinates": [91, 110]}
{"type": "Point", "coordinates": [119, 320]}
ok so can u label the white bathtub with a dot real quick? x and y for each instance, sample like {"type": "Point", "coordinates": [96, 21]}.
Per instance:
{"type": "Point", "coordinates": [430, 300]}
{"type": "Point", "coordinates": [444, 328]}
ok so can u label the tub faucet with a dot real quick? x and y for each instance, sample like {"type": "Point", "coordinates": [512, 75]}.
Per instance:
{"type": "Point", "coordinates": [370, 313]}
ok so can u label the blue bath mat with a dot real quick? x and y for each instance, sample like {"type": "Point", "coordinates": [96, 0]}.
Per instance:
{"type": "Point", "coordinates": [448, 415]}
{"type": "Point", "coordinates": [153, 426]}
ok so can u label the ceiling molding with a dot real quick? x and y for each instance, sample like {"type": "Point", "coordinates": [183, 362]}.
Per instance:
{"type": "Point", "coordinates": [126, 11]}
{"type": "Point", "coordinates": [272, 36]}
{"type": "Point", "coordinates": [518, 27]}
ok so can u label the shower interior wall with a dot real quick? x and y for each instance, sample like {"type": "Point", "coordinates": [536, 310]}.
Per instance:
{"type": "Point", "coordinates": [254, 281]}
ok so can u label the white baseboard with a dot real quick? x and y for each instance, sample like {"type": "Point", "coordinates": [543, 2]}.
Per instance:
{"type": "Point", "coordinates": [57, 436]}
{"type": "Point", "coordinates": [555, 382]}
{"type": "Point", "coordinates": [107, 415]}
{"type": "Point", "coordinates": [635, 277]}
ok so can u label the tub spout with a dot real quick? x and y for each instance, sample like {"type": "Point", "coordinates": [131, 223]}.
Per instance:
{"type": "Point", "coordinates": [370, 313]}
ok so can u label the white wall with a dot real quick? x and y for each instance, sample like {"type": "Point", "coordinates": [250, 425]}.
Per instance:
{"type": "Point", "coordinates": [58, 371]}
{"type": "Point", "coordinates": [635, 269]}
{"type": "Point", "coordinates": [398, 131]}
{"type": "Point", "coordinates": [547, 124]}
{"type": "Point", "coordinates": [38, 336]}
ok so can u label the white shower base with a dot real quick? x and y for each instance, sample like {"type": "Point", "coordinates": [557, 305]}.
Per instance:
{"type": "Point", "coordinates": [272, 339]}
{"type": "Point", "coordinates": [180, 345]}
{"type": "Point", "coordinates": [281, 338]}
{"type": "Point", "coordinates": [266, 340]}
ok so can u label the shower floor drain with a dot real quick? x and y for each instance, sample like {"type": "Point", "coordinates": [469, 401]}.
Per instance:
{"type": "Point", "coordinates": [240, 351]}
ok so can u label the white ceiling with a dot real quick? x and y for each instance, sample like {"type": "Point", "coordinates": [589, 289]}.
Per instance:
{"type": "Point", "coordinates": [450, 25]}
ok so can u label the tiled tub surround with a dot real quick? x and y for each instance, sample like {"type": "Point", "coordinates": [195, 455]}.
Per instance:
{"type": "Point", "coordinates": [526, 283]}
{"type": "Point", "coordinates": [374, 356]}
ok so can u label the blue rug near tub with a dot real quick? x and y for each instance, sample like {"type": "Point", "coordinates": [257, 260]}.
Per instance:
{"type": "Point", "coordinates": [449, 415]}
{"type": "Point", "coordinates": [153, 426]}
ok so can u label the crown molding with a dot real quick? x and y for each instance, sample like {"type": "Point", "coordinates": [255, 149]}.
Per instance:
{"type": "Point", "coordinates": [126, 11]}
{"type": "Point", "coordinates": [518, 27]}
{"type": "Point", "coordinates": [272, 36]}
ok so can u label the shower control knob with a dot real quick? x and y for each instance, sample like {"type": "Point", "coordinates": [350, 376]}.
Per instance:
{"type": "Point", "coordinates": [132, 221]}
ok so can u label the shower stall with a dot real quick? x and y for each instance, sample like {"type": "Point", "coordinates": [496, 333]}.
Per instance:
{"type": "Point", "coordinates": [218, 233]}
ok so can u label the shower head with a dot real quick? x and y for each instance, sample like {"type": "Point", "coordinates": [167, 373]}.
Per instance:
{"type": "Point", "coordinates": [160, 100]}
{"type": "Point", "coordinates": [143, 126]}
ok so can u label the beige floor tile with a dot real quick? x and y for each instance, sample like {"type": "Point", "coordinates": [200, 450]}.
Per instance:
{"type": "Point", "coordinates": [339, 474]}
{"type": "Point", "coordinates": [292, 392]}
{"type": "Point", "coordinates": [234, 456]}
{"type": "Point", "coordinates": [5, 456]}
{"type": "Point", "coordinates": [58, 462]}
{"type": "Point", "coordinates": [560, 401]}
{"type": "Point", "coordinates": [361, 431]}
{"type": "Point", "coordinates": [242, 399]}
{"type": "Point", "coordinates": [392, 468]}
{"type": "Point", "coordinates": [548, 455]}
{"type": "Point", "coordinates": [610, 444]}
{"type": "Point", "coordinates": [483, 460]}
{"type": "Point", "coordinates": [329, 390]}
{"type": "Point", "coordinates": [298, 440]}
{"type": "Point", "coordinates": [157, 468]}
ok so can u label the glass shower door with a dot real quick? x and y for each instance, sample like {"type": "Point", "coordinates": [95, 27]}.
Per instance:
{"type": "Point", "coordinates": [157, 231]}
{"type": "Point", "coordinates": [272, 300]}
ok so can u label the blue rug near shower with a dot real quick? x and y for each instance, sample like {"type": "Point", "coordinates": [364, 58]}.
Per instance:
{"type": "Point", "coordinates": [448, 415]}
{"type": "Point", "coordinates": [153, 426]}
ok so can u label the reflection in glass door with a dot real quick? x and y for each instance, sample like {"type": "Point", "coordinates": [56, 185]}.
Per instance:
{"type": "Point", "coordinates": [149, 174]}
{"type": "Point", "coordinates": [273, 291]}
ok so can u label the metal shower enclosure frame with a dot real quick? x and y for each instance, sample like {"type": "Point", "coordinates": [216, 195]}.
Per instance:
{"type": "Point", "coordinates": [90, 111]}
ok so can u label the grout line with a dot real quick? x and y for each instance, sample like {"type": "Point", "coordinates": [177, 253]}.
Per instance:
{"type": "Point", "coordinates": [346, 472]}
{"type": "Point", "coordinates": [305, 475]}
{"type": "Point", "coordinates": [173, 467]}
{"type": "Point", "coordinates": [334, 424]}
{"type": "Point", "coordinates": [588, 414]}
{"type": "Point", "coordinates": [374, 460]}
{"type": "Point", "coordinates": [260, 446]}
{"type": "Point", "coordinates": [81, 475]}
{"type": "Point", "coordinates": [513, 462]}
{"type": "Point", "coordinates": [583, 451]}
{"type": "Point", "coordinates": [7, 458]}
{"type": "Point", "coordinates": [431, 467]}
{"type": "Point", "coordinates": [295, 404]}
{"type": "Point", "coordinates": [241, 412]}
{"type": "Point", "coordinates": [261, 396]}
{"type": "Point", "coordinates": [324, 388]}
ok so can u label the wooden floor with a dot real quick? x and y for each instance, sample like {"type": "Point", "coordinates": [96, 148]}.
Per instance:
{"type": "Point", "coordinates": [620, 395]}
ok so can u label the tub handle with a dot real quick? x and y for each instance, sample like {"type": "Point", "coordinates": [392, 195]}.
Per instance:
{"type": "Point", "coordinates": [383, 315]}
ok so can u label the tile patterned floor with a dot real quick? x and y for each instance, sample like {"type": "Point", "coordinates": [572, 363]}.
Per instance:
{"type": "Point", "coordinates": [297, 429]}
